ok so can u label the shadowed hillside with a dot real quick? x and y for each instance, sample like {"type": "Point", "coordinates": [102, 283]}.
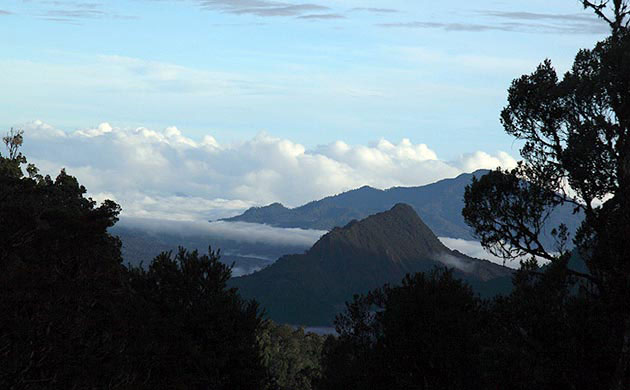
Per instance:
{"type": "Point", "coordinates": [311, 288]}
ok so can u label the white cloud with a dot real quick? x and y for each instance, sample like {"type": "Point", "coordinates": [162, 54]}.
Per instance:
{"type": "Point", "coordinates": [165, 174]}
{"type": "Point", "coordinates": [474, 249]}
{"type": "Point", "coordinates": [481, 160]}
{"type": "Point", "coordinates": [252, 233]}
{"type": "Point", "coordinates": [103, 128]}
{"type": "Point", "coordinates": [242, 271]}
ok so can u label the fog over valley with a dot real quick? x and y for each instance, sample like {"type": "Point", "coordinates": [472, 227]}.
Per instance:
{"type": "Point", "coordinates": [240, 240]}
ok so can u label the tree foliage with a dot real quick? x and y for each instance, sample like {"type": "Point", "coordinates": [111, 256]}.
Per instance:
{"type": "Point", "coordinates": [576, 149]}
{"type": "Point", "coordinates": [431, 332]}
{"type": "Point", "coordinates": [547, 334]}
{"type": "Point", "coordinates": [73, 317]}
{"type": "Point", "coordinates": [419, 335]}
{"type": "Point", "coordinates": [291, 356]}
{"type": "Point", "coordinates": [197, 331]}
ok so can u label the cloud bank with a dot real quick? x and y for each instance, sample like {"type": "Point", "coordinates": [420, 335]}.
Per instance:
{"type": "Point", "coordinates": [165, 174]}
{"type": "Point", "coordinates": [247, 246]}
{"type": "Point", "coordinates": [474, 249]}
{"type": "Point", "coordinates": [252, 233]}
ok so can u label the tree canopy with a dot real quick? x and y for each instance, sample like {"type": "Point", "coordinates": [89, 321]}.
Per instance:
{"type": "Point", "coordinates": [419, 335]}
{"type": "Point", "coordinates": [575, 131]}
{"type": "Point", "coordinates": [74, 317]}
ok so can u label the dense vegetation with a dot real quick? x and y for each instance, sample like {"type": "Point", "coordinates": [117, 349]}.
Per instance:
{"type": "Point", "coordinates": [421, 334]}
{"type": "Point", "coordinates": [74, 317]}
{"type": "Point", "coordinates": [292, 356]}
{"type": "Point", "coordinates": [432, 332]}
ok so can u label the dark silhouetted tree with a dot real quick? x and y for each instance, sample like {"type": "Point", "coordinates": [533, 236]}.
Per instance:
{"type": "Point", "coordinates": [198, 332]}
{"type": "Point", "coordinates": [576, 134]}
{"type": "Point", "coordinates": [547, 334]}
{"type": "Point", "coordinates": [72, 317]}
{"type": "Point", "coordinates": [60, 281]}
{"type": "Point", "coordinates": [420, 335]}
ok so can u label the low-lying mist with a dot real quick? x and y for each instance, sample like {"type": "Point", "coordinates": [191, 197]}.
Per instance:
{"type": "Point", "coordinates": [233, 231]}
{"type": "Point", "coordinates": [474, 249]}
{"type": "Point", "coordinates": [247, 246]}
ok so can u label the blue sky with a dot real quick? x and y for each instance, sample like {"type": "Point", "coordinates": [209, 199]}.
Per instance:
{"type": "Point", "coordinates": [198, 109]}
{"type": "Point", "coordinates": [313, 72]}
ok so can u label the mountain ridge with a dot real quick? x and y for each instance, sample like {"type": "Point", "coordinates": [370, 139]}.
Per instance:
{"type": "Point", "coordinates": [310, 288]}
{"type": "Point", "coordinates": [439, 205]}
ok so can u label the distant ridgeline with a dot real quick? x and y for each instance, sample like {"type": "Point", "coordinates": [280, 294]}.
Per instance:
{"type": "Point", "coordinates": [439, 204]}
{"type": "Point", "coordinates": [312, 287]}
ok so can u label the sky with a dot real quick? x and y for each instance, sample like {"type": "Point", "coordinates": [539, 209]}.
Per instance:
{"type": "Point", "coordinates": [193, 109]}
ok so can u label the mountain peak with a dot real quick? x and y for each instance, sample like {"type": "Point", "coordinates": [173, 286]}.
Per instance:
{"type": "Point", "coordinates": [311, 288]}
{"type": "Point", "coordinates": [403, 208]}
{"type": "Point", "coordinates": [398, 234]}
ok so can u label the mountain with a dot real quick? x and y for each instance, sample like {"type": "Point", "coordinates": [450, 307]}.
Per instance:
{"type": "Point", "coordinates": [311, 288]}
{"type": "Point", "coordinates": [439, 205]}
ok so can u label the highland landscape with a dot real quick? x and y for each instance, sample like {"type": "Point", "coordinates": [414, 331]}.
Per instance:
{"type": "Point", "coordinates": [358, 195]}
